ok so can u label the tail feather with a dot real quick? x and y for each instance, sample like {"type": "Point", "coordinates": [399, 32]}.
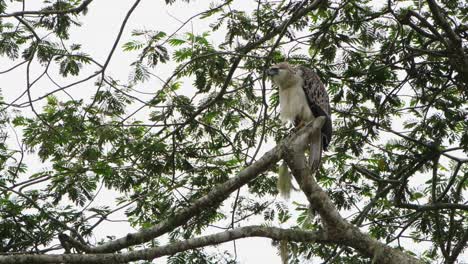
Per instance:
{"type": "Point", "coordinates": [284, 183]}
{"type": "Point", "coordinates": [315, 151]}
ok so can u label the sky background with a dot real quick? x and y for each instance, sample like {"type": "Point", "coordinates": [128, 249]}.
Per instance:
{"type": "Point", "coordinates": [97, 35]}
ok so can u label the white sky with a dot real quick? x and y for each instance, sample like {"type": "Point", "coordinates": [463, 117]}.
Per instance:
{"type": "Point", "coordinates": [97, 35]}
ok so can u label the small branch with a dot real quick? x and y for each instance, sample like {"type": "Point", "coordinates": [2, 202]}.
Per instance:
{"type": "Point", "coordinates": [372, 176]}
{"type": "Point", "coordinates": [29, 27]}
{"type": "Point", "coordinates": [425, 23]}
{"type": "Point", "coordinates": [435, 206]}
{"type": "Point", "coordinates": [43, 211]}
{"type": "Point", "coordinates": [76, 10]}
{"type": "Point", "coordinates": [119, 35]}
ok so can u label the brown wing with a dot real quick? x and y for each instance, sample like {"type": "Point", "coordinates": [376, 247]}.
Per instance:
{"type": "Point", "coordinates": [317, 98]}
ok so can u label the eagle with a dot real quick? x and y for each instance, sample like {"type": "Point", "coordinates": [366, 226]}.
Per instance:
{"type": "Point", "coordinates": [303, 97]}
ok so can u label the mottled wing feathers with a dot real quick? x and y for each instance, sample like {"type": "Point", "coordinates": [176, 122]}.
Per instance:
{"type": "Point", "coordinates": [314, 89]}
{"type": "Point", "coordinates": [318, 101]}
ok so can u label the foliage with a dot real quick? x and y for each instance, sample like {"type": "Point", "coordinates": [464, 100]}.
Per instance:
{"type": "Point", "coordinates": [397, 79]}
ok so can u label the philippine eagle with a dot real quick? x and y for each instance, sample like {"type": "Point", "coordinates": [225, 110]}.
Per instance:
{"type": "Point", "coordinates": [302, 98]}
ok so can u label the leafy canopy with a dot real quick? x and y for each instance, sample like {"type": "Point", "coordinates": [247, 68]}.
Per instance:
{"type": "Point", "coordinates": [396, 73]}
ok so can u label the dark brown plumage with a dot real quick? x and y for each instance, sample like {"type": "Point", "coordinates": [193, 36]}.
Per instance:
{"type": "Point", "coordinates": [317, 98]}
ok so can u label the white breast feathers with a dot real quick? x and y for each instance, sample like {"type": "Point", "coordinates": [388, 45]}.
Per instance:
{"type": "Point", "coordinates": [293, 103]}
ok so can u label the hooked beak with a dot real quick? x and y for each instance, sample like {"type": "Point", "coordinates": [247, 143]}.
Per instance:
{"type": "Point", "coordinates": [272, 72]}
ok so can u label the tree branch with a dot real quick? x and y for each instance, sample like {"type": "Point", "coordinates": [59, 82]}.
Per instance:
{"type": "Point", "coordinates": [213, 198]}
{"type": "Point", "coordinates": [372, 176]}
{"type": "Point", "coordinates": [440, 19]}
{"type": "Point", "coordinates": [461, 245]}
{"type": "Point", "coordinates": [455, 41]}
{"type": "Point", "coordinates": [434, 206]}
{"type": "Point", "coordinates": [77, 9]}
{"type": "Point", "coordinates": [337, 228]}
{"type": "Point", "coordinates": [175, 247]}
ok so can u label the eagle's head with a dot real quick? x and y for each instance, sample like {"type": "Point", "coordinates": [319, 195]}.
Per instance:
{"type": "Point", "coordinates": [283, 75]}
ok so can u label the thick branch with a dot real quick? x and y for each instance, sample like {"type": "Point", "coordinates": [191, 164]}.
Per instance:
{"type": "Point", "coordinates": [461, 65]}
{"type": "Point", "coordinates": [440, 19]}
{"type": "Point", "coordinates": [170, 249]}
{"type": "Point", "coordinates": [180, 217]}
{"type": "Point", "coordinates": [461, 245]}
{"type": "Point", "coordinates": [337, 228]}
{"type": "Point", "coordinates": [213, 198]}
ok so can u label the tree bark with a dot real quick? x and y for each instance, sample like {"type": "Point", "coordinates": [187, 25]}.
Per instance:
{"type": "Point", "coordinates": [336, 227]}
{"type": "Point", "coordinates": [173, 248]}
